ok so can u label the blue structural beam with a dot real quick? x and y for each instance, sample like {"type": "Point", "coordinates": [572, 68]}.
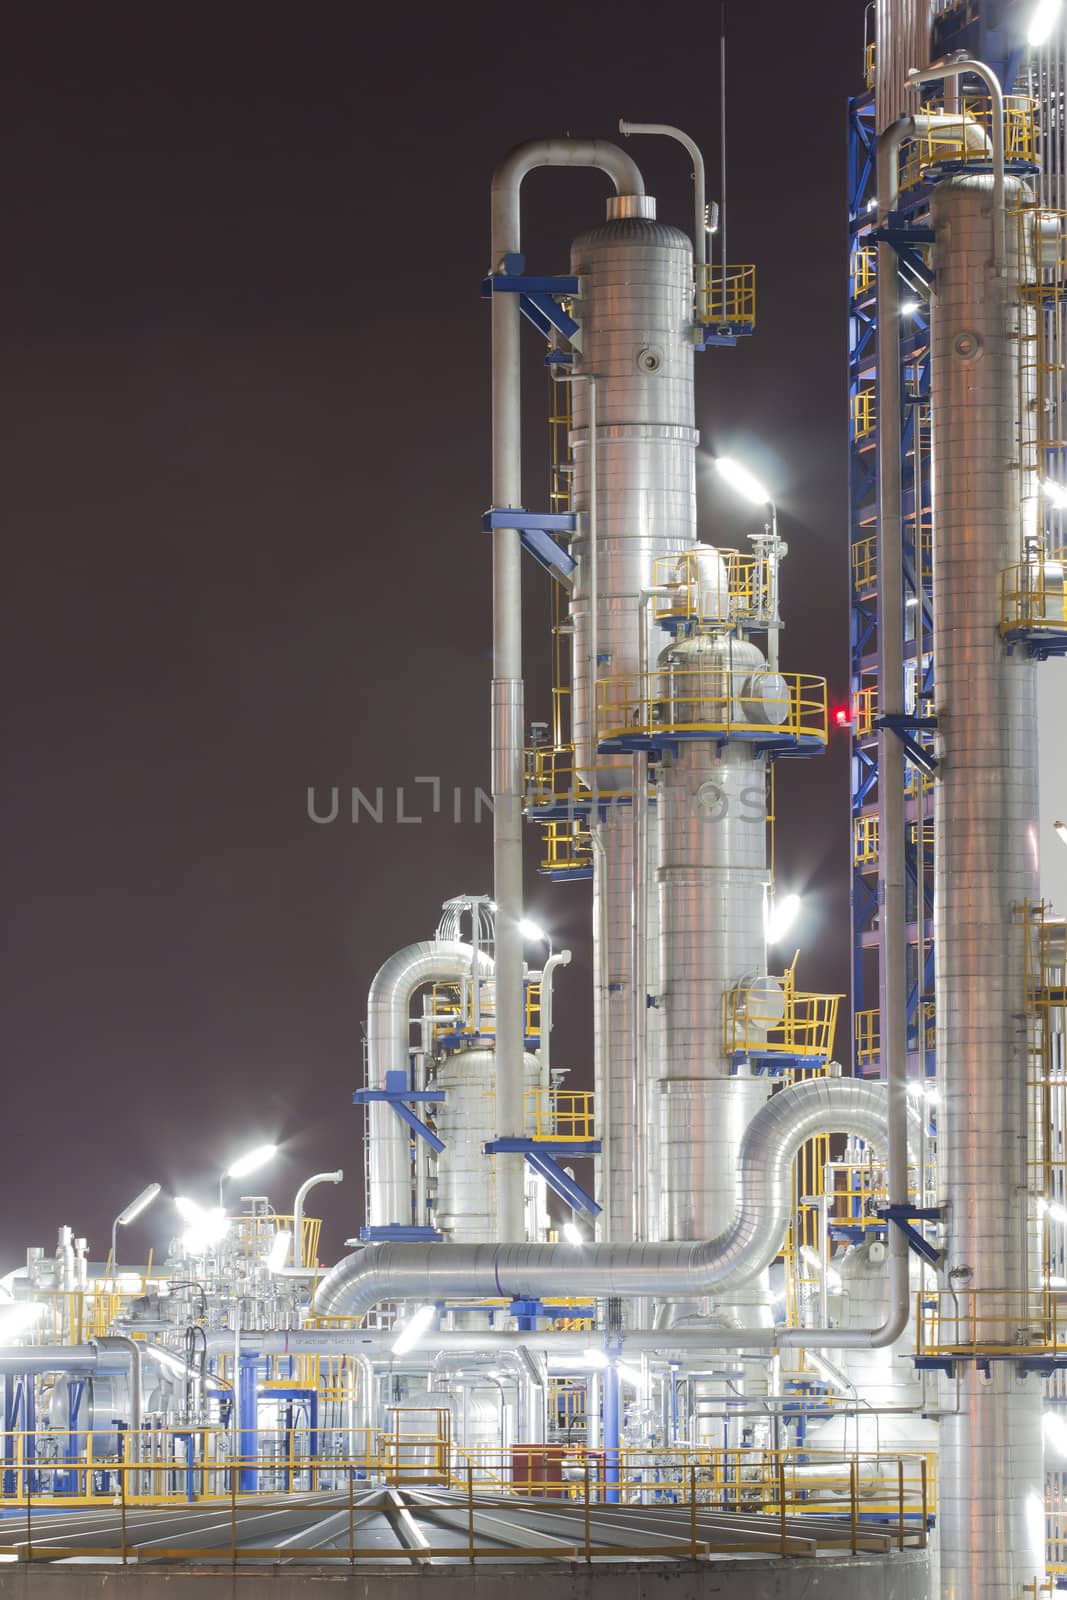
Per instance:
{"type": "Point", "coordinates": [536, 531]}
{"type": "Point", "coordinates": [397, 1094]}
{"type": "Point", "coordinates": [247, 1419]}
{"type": "Point", "coordinates": [399, 1233]}
{"type": "Point", "coordinates": [903, 1217]}
{"type": "Point", "coordinates": [539, 297]}
{"type": "Point", "coordinates": [541, 1156]}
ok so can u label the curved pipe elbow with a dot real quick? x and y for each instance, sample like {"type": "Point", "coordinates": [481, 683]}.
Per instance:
{"type": "Point", "coordinates": [505, 230]}
{"type": "Point", "coordinates": [433, 1271]}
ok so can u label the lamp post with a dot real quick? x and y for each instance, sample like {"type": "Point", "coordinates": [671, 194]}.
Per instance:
{"type": "Point", "coordinates": [251, 1161]}
{"type": "Point", "coordinates": [128, 1213]}
{"type": "Point", "coordinates": [749, 487]}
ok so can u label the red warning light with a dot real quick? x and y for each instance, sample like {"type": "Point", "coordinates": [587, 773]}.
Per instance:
{"type": "Point", "coordinates": [842, 717]}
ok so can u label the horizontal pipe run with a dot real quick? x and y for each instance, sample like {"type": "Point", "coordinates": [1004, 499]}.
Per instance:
{"type": "Point", "coordinates": [442, 1272]}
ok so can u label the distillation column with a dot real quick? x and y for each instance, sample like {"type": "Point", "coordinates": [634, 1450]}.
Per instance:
{"type": "Point", "coordinates": [991, 1502]}
{"type": "Point", "coordinates": [634, 376]}
{"type": "Point", "coordinates": [713, 873]}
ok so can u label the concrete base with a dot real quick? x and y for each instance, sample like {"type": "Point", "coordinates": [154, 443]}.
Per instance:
{"type": "Point", "coordinates": [902, 1576]}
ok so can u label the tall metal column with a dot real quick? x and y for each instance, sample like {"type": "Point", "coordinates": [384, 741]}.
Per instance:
{"type": "Point", "coordinates": [991, 1502]}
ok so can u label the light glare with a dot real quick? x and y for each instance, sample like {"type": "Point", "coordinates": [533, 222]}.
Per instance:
{"type": "Point", "coordinates": [1042, 21]}
{"type": "Point", "coordinates": [279, 1250]}
{"type": "Point", "coordinates": [531, 931]}
{"type": "Point", "coordinates": [250, 1162]}
{"type": "Point", "coordinates": [572, 1233]}
{"type": "Point", "coordinates": [1055, 1431]}
{"type": "Point", "coordinates": [780, 917]}
{"type": "Point", "coordinates": [413, 1330]}
{"type": "Point", "coordinates": [135, 1207]}
{"type": "Point", "coordinates": [1054, 492]}
{"type": "Point", "coordinates": [744, 482]}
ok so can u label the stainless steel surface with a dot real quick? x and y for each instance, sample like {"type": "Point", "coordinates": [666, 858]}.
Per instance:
{"type": "Point", "coordinates": [692, 149]}
{"type": "Point", "coordinates": [763, 1200]}
{"type": "Point", "coordinates": [508, 718]}
{"type": "Point", "coordinates": [388, 1043]}
{"type": "Point", "coordinates": [635, 314]}
{"type": "Point", "coordinates": [298, 1210]}
{"type": "Point", "coordinates": [992, 1539]}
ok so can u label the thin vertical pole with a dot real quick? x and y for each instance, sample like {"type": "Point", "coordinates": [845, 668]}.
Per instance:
{"type": "Point", "coordinates": [470, 1513]}
{"type": "Point", "coordinates": [693, 1512]}
{"type": "Point", "coordinates": [900, 1502]}
{"type": "Point", "coordinates": [351, 1514]}
{"type": "Point", "coordinates": [588, 1555]}
{"type": "Point", "coordinates": [853, 1502]}
{"type": "Point", "coordinates": [782, 1535]}
{"type": "Point", "coordinates": [722, 150]}
{"type": "Point", "coordinates": [922, 1479]}
{"type": "Point", "coordinates": [233, 1512]}
{"type": "Point", "coordinates": [122, 1499]}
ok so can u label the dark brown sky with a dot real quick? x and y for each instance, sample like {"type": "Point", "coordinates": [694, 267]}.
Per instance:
{"type": "Point", "coordinates": [245, 455]}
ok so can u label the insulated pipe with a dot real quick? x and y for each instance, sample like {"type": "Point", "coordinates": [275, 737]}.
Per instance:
{"type": "Point", "coordinates": [956, 66]}
{"type": "Point", "coordinates": [562, 958]}
{"type": "Point", "coordinates": [388, 1046]}
{"type": "Point", "coordinates": [745, 1248]}
{"type": "Point", "coordinates": [298, 1210]}
{"type": "Point", "coordinates": [892, 966]}
{"type": "Point", "coordinates": [983, 405]}
{"type": "Point", "coordinates": [508, 713]}
{"type": "Point", "coordinates": [700, 205]}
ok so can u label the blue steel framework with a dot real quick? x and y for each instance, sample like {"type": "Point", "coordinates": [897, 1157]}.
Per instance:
{"type": "Point", "coordinates": [907, 234]}
{"type": "Point", "coordinates": [959, 27]}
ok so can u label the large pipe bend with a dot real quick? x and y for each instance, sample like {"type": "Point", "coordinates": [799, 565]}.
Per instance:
{"type": "Point", "coordinates": [429, 1272]}
{"type": "Point", "coordinates": [388, 1047]}
{"type": "Point", "coordinates": [505, 234]}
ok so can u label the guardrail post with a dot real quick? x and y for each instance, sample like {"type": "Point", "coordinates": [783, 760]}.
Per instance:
{"type": "Point", "coordinates": [29, 1516]}
{"type": "Point", "coordinates": [693, 1512]}
{"type": "Point", "coordinates": [470, 1513]}
{"type": "Point", "coordinates": [783, 1537]}
{"type": "Point", "coordinates": [853, 1501]}
{"type": "Point", "coordinates": [900, 1502]}
{"type": "Point", "coordinates": [233, 1511]}
{"type": "Point", "coordinates": [588, 1556]}
{"type": "Point", "coordinates": [922, 1480]}
{"type": "Point", "coordinates": [122, 1503]}
{"type": "Point", "coordinates": [351, 1514]}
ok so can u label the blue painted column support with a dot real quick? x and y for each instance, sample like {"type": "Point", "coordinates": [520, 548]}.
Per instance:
{"type": "Point", "coordinates": [247, 1445]}
{"type": "Point", "coordinates": [611, 1432]}
{"type": "Point", "coordinates": [10, 1423]}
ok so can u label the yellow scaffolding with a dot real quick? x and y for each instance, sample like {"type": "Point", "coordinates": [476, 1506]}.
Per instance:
{"type": "Point", "coordinates": [954, 142]}
{"type": "Point", "coordinates": [748, 595]}
{"type": "Point", "coordinates": [558, 1114]}
{"type": "Point", "coordinates": [782, 1021]}
{"type": "Point", "coordinates": [699, 700]}
{"type": "Point", "coordinates": [865, 564]}
{"type": "Point", "coordinates": [729, 298]}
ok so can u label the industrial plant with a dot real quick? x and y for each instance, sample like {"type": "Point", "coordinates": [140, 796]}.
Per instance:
{"type": "Point", "coordinates": [778, 1305]}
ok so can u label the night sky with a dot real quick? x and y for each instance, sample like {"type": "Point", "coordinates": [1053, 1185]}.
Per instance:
{"type": "Point", "coordinates": [245, 457]}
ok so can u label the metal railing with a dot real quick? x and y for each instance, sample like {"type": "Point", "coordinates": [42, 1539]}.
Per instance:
{"type": "Point", "coordinates": [558, 1114]}
{"type": "Point", "coordinates": [1032, 598]}
{"type": "Point", "coordinates": [864, 408]}
{"type": "Point", "coordinates": [783, 1021]}
{"type": "Point", "coordinates": [567, 846]}
{"type": "Point", "coordinates": [863, 1497]}
{"type": "Point", "coordinates": [865, 840]}
{"type": "Point", "coordinates": [1000, 1322]}
{"type": "Point", "coordinates": [948, 144]}
{"type": "Point", "coordinates": [865, 564]}
{"type": "Point", "coordinates": [725, 297]}
{"type": "Point", "coordinates": [748, 595]}
{"type": "Point", "coordinates": [693, 701]}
